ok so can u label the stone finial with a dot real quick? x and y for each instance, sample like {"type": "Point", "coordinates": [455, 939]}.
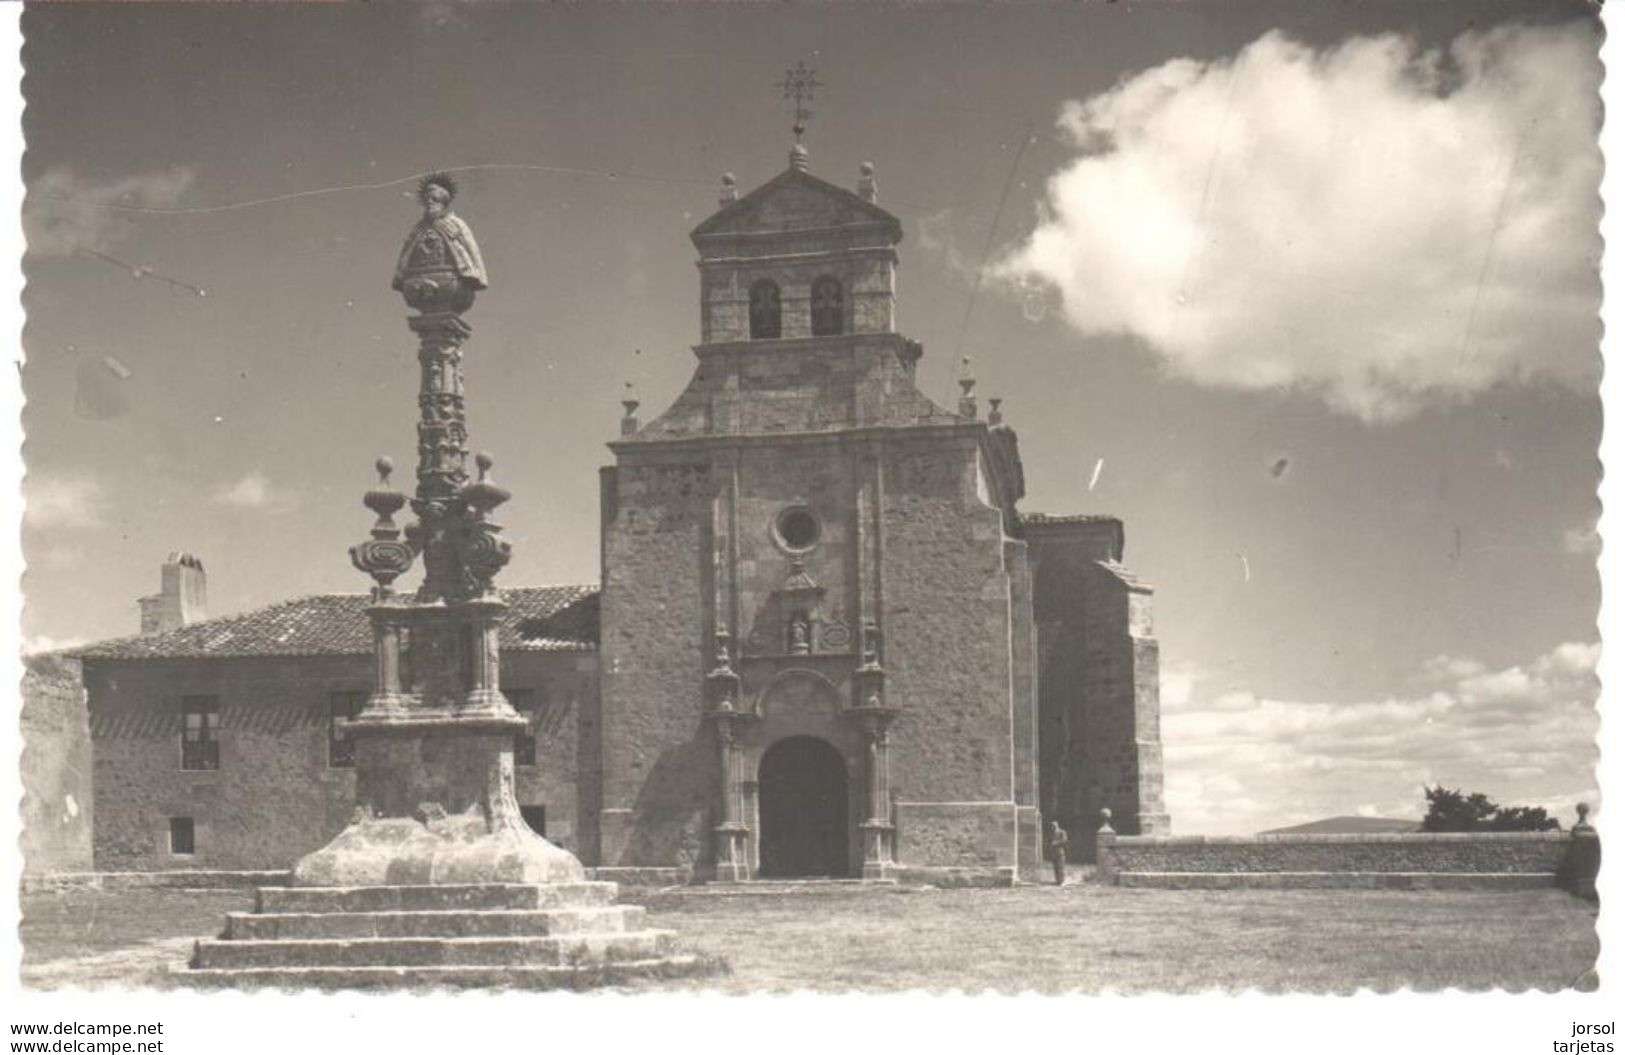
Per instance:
{"type": "Point", "coordinates": [1584, 811]}
{"type": "Point", "coordinates": [1106, 822]}
{"type": "Point", "coordinates": [384, 500]}
{"type": "Point", "coordinates": [867, 190]}
{"type": "Point", "coordinates": [967, 389]}
{"type": "Point", "coordinates": [629, 404]}
{"type": "Point", "coordinates": [995, 416]}
{"type": "Point", "coordinates": [729, 191]}
{"type": "Point", "coordinates": [799, 158]}
{"type": "Point", "coordinates": [484, 495]}
{"type": "Point", "coordinates": [384, 556]}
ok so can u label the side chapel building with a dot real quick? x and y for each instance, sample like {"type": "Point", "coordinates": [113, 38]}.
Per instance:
{"type": "Point", "coordinates": [826, 641]}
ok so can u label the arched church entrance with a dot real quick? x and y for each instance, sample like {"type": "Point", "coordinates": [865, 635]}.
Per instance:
{"type": "Point", "coordinates": [802, 805]}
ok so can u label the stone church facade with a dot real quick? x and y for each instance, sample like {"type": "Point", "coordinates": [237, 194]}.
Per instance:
{"type": "Point", "coordinates": [826, 640]}
{"type": "Point", "coordinates": [819, 651]}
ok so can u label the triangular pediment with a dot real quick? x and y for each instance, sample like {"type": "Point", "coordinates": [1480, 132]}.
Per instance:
{"type": "Point", "coordinates": [796, 201]}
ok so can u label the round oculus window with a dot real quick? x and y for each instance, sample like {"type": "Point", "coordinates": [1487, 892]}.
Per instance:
{"type": "Point", "coordinates": [797, 529]}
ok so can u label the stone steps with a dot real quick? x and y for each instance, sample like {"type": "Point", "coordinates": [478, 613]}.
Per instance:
{"type": "Point", "coordinates": [479, 898]}
{"type": "Point", "coordinates": [574, 950]}
{"type": "Point", "coordinates": [457, 923]}
{"type": "Point", "coordinates": [570, 935]}
{"type": "Point", "coordinates": [524, 977]}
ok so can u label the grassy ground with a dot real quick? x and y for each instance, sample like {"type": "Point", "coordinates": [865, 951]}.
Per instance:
{"type": "Point", "coordinates": [126, 937]}
{"type": "Point", "coordinates": [1094, 938]}
{"type": "Point", "coordinates": [1084, 937]}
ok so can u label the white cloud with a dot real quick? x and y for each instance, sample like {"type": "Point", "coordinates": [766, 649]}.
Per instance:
{"type": "Point", "coordinates": [1524, 735]}
{"type": "Point", "coordinates": [34, 644]}
{"type": "Point", "coordinates": [1443, 667]}
{"type": "Point", "coordinates": [63, 501]}
{"type": "Point", "coordinates": [935, 235]}
{"type": "Point", "coordinates": [255, 492]}
{"type": "Point", "coordinates": [1380, 226]}
{"type": "Point", "coordinates": [1177, 682]}
{"type": "Point", "coordinates": [64, 213]}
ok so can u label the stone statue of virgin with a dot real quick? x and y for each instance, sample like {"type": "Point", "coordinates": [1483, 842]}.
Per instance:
{"type": "Point", "coordinates": [440, 268]}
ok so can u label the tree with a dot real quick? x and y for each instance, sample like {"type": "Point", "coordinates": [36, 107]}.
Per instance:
{"type": "Point", "coordinates": [1449, 810]}
{"type": "Point", "coordinates": [1523, 819]}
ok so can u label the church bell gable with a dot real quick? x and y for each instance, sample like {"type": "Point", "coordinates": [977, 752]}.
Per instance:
{"type": "Point", "coordinates": [797, 257]}
{"type": "Point", "coordinates": [795, 201]}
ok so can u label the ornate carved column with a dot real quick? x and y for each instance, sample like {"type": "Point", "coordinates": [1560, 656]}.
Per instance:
{"type": "Point", "coordinates": [875, 718]}
{"type": "Point", "coordinates": [434, 751]}
{"type": "Point", "coordinates": [732, 863]}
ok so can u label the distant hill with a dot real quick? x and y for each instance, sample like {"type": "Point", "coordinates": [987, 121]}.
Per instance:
{"type": "Point", "coordinates": [1348, 826]}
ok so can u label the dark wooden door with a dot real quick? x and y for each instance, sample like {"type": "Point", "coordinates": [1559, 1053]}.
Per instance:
{"type": "Point", "coordinates": [802, 799]}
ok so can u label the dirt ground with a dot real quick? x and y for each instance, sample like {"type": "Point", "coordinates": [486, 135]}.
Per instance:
{"type": "Point", "coordinates": [1083, 937]}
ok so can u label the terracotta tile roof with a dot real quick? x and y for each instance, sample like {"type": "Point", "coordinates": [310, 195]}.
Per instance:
{"type": "Point", "coordinates": [540, 618]}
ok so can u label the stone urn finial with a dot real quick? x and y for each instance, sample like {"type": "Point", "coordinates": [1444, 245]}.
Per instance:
{"type": "Point", "coordinates": [868, 190]}
{"type": "Point", "coordinates": [384, 556]}
{"type": "Point", "coordinates": [483, 495]}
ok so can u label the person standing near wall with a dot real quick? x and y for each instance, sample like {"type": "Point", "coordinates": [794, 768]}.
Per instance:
{"type": "Point", "coordinates": [1055, 846]}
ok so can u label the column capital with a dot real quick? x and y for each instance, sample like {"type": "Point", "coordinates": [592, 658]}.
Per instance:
{"type": "Point", "coordinates": [440, 324]}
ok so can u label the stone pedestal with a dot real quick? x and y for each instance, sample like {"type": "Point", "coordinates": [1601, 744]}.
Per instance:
{"type": "Point", "coordinates": [733, 854]}
{"type": "Point", "coordinates": [435, 804]}
{"type": "Point", "coordinates": [877, 850]}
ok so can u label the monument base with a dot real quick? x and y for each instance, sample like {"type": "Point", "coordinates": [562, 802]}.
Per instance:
{"type": "Point", "coordinates": [435, 805]}
{"type": "Point", "coordinates": [559, 935]}
{"type": "Point", "coordinates": [462, 849]}
{"type": "Point", "coordinates": [455, 890]}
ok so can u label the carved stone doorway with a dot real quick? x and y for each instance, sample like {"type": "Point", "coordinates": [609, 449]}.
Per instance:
{"type": "Point", "coordinates": [802, 800]}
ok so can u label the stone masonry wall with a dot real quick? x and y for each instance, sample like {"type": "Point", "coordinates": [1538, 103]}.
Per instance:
{"type": "Point", "coordinates": [57, 795]}
{"type": "Point", "coordinates": [1100, 743]}
{"type": "Point", "coordinates": [659, 759]}
{"type": "Point", "coordinates": [947, 620]}
{"type": "Point", "coordinates": [1475, 852]}
{"type": "Point", "coordinates": [274, 797]}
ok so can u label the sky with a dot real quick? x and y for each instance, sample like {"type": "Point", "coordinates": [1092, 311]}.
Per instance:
{"type": "Point", "coordinates": [1305, 292]}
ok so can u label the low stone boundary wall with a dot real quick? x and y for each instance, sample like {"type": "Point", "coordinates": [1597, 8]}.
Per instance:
{"type": "Point", "coordinates": [951, 877]}
{"type": "Point", "coordinates": [1338, 880]}
{"type": "Point", "coordinates": [200, 879]}
{"type": "Point", "coordinates": [1436, 860]}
